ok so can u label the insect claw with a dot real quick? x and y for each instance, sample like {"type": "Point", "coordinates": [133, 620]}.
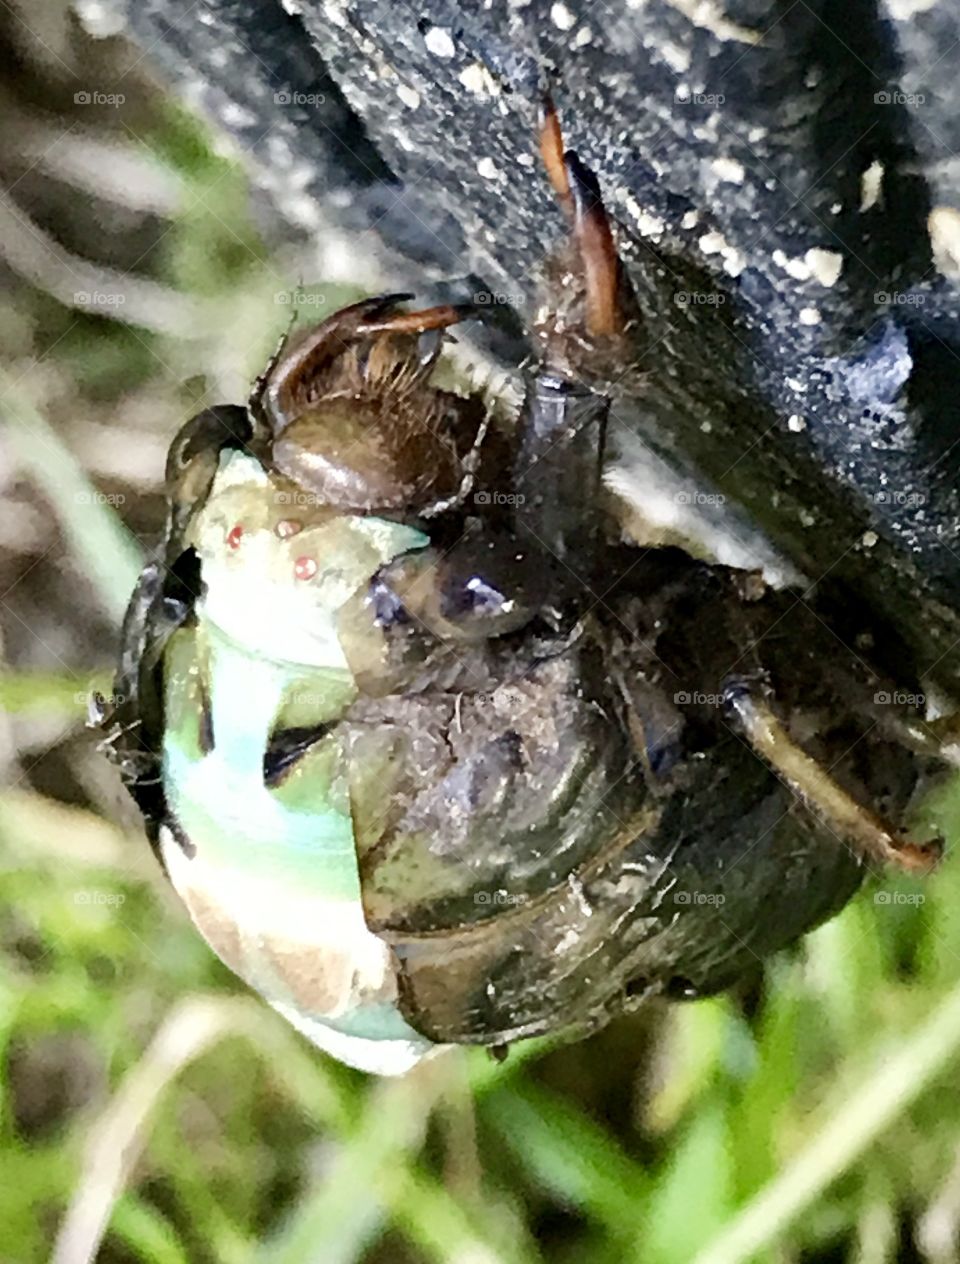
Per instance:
{"type": "Point", "coordinates": [597, 249]}
{"type": "Point", "coordinates": [551, 151]}
{"type": "Point", "coordinates": [850, 821]}
{"type": "Point", "coordinates": [429, 318]}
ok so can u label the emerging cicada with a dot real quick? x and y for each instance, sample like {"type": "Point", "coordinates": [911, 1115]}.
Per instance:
{"type": "Point", "coordinates": [430, 753]}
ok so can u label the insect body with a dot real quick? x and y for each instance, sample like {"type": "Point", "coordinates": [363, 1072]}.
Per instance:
{"type": "Point", "coordinates": [430, 754]}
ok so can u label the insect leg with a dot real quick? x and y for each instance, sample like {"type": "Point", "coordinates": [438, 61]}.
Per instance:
{"type": "Point", "coordinates": [864, 831]}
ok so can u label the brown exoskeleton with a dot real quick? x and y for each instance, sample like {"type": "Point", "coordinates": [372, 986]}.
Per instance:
{"type": "Point", "coordinates": [432, 755]}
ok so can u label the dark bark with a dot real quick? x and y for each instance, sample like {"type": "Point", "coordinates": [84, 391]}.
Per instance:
{"type": "Point", "coordinates": [840, 438]}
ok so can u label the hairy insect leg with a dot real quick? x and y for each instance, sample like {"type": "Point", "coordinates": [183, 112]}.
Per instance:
{"type": "Point", "coordinates": [853, 823]}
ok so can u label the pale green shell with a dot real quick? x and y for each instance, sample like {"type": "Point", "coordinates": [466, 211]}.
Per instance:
{"type": "Point", "coordinates": [271, 879]}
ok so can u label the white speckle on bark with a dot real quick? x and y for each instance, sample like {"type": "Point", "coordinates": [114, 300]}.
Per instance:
{"type": "Point", "coordinates": [236, 116]}
{"type": "Point", "coordinates": [690, 219]}
{"type": "Point", "coordinates": [904, 10]}
{"type": "Point", "coordinates": [796, 423]}
{"type": "Point", "coordinates": [796, 268]}
{"type": "Point", "coordinates": [809, 316]}
{"type": "Point", "coordinates": [728, 170]}
{"type": "Point", "coordinates": [677, 58]}
{"type": "Point", "coordinates": [409, 96]}
{"type": "Point", "coordinates": [562, 18]}
{"type": "Point", "coordinates": [526, 160]}
{"type": "Point", "coordinates": [709, 15]}
{"type": "Point", "coordinates": [476, 78]}
{"type": "Point", "coordinates": [825, 265]}
{"type": "Point", "coordinates": [734, 261]}
{"type": "Point", "coordinates": [487, 168]}
{"type": "Point", "coordinates": [869, 539]}
{"type": "Point", "coordinates": [796, 386]}
{"type": "Point", "coordinates": [871, 186]}
{"type": "Point", "coordinates": [943, 225]}
{"type": "Point", "coordinates": [647, 224]}
{"type": "Point", "coordinates": [712, 243]}
{"type": "Point", "coordinates": [439, 42]}
{"type": "Point", "coordinates": [582, 38]}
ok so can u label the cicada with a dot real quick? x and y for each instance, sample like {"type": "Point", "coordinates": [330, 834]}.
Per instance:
{"type": "Point", "coordinates": [434, 754]}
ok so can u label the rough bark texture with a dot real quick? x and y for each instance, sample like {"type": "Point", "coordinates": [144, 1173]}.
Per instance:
{"type": "Point", "coordinates": [820, 391]}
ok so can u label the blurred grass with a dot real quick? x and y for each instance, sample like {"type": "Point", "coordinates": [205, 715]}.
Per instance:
{"type": "Point", "coordinates": [685, 1134]}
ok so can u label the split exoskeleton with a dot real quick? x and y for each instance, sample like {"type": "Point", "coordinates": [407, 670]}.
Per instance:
{"type": "Point", "coordinates": [430, 753]}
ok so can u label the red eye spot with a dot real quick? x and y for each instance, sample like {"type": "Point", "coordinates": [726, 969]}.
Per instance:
{"type": "Point", "coordinates": [287, 527]}
{"type": "Point", "coordinates": [233, 536]}
{"type": "Point", "coordinates": [304, 568]}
